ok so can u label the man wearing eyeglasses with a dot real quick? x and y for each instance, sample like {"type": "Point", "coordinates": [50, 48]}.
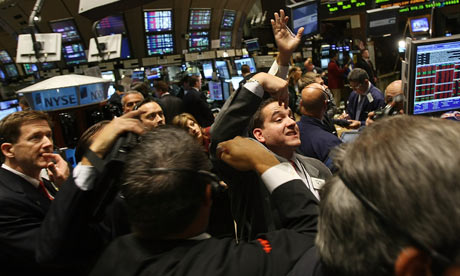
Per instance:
{"type": "Point", "coordinates": [364, 98]}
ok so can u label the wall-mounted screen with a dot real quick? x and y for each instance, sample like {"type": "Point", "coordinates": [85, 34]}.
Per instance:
{"type": "Point", "coordinates": [382, 22]}
{"type": "Point", "coordinates": [215, 90]}
{"type": "Point", "coordinates": [74, 54]}
{"type": "Point", "coordinates": [236, 82]}
{"type": "Point", "coordinates": [228, 19]}
{"type": "Point", "coordinates": [67, 28]}
{"type": "Point", "coordinates": [200, 19]}
{"type": "Point", "coordinates": [198, 41]}
{"type": "Point", "coordinates": [225, 39]}
{"type": "Point", "coordinates": [5, 57]}
{"type": "Point", "coordinates": [324, 63]}
{"type": "Point", "coordinates": [138, 75]}
{"type": "Point", "coordinates": [125, 48]}
{"type": "Point", "coordinates": [248, 61]}
{"type": "Point", "coordinates": [160, 44]}
{"type": "Point", "coordinates": [157, 20]}
{"type": "Point", "coordinates": [29, 68]}
{"type": "Point", "coordinates": [111, 25]}
{"type": "Point", "coordinates": [207, 69]}
{"type": "Point", "coordinates": [11, 70]}
{"type": "Point", "coordinates": [153, 73]}
{"type": "Point", "coordinates": [222, 69]}
{"type": "Point", "coordinates": [419, 25]}
{"type": "Point", "coordinates": [252, 44]}
{"type": "Point", "coordinates": [305, 15]}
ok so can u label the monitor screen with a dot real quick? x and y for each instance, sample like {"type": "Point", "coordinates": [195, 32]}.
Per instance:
{"type": "Point", "coordinates": [29, 68]}
{"type": "Point", "coordinates": [228, 19]}
{"type": "Point", "coordinates": [108, 75]}
{"type": "Point", "coordinates": [200, 19]}
{"type": "Point", "coordinates": [198, 41]}
{"type": "Point", "coordinates": [247, 61]}
{"type": "Point", "coordinates": [305, 15]}
{"type": "Point", "coordinates": [125, 49]}
{"type": "Point", "coordinates": [5, 112]}
{"type": "Point", "coordinates": [236, 82]}
{"type": "Point", "coordinates": [252, 44]}
{"type": "Point", "coordinates": [157, 20]}
{"type": "Point", "coordinates": [325, 62]}
{"type": "Point", "coordinates": [222, 69]}
{"type": "Point", "coordinates": [138, 76]}
{"type": "Point", "coordinates": [11, 70]}
{"type": "Point", "coordinates": [174, 73]}
{"type": "Point", "coordinates": [48, 65]}
{"type": "Point", "coordinates": [225, 39]}
{"type": "Point", "coordinates": [10, 104]}
{"type": "Point", "coordinates": [381, 22]}
{"type": "Point", "coordinates": [160, 44]}
{"type": "Point", "coordinates": [226, 89]}
{"type": "Point", "coordinates": [5, 57]}
{"type": "Point", "coordinates": [207, 69]}
{"type": "Point", "coordinates": [74, 54]}
{"type": "Point", "coordinates": [434, 75]}
{"type": "Point", "coordinates": [419, 25]}
{"type": "Point", "coordinates": [153, 73]}
{"type": "Point", "coordinates": [111, 25]}
{"type": "Point", "coordinates": [2, 75]}
{"type": "Point", "coordinates": [110, 91]}
{"type": "Point", "coordinates": [215, 90]}
{"type": "Point", "coordinates": [67, 29]}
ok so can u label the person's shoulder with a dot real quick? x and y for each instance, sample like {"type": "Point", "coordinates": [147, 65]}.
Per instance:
{"type": "Point", "coordinates": [323, 171]}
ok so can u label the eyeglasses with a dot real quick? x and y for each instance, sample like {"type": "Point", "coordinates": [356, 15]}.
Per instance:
{"type": "Point", "coordinates": [441, 261]}
{"type": "Point", "coordinates": [356, 86]}
{"type": "Point", "coordinates": [130, 104]}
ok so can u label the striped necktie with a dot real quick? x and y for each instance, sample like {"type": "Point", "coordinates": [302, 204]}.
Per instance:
{"type": "Point", "coordinates": [45, 191]}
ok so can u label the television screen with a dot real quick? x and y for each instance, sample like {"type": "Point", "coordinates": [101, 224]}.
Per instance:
{"type": "Point", "coordinates": [108, 75]}
{"type": "Point", "coordinates": [225, 39]}
{"type": "Point", "coordinates": [207, 69]}
{"type": "Point", "coordinates": [252, 44]}
{"type": "Point", "coordinates": [160, 44]}
{"type": "Point", "coordinates": [381, 22]}
{"type": "Point", "coordinates": [325, 62]}
{"type": "Point", "coordinates": [11, 70]}
{"type": "Point", "coordinates": [111, 25]}
{"type": "Point", "coordinates": [29, 68]}
{"type": "Point", "coordinates": [305, 15]}
{"type": "Point", "coordinates": [236, 82]}
{"type": "Point", "coordinates": [67, 29]}
{"type": "Point", "coordinates": [419, 25]}
{"type": "Point", "coordinates": [222, 69]}
{"type": "Point", "coordinates": [125, 49]}
{"type": "Point", "coordinates": [215, 90]}
{"type": "Point", "coordinates": [228, 19]}
{"type": "Point", "coordinates": [198, 41]}
{"type": "Point", "coordinates": [157, 20]}
{"type": "Point", "coordinates": [138, 76]}
{"type": "Point", "coordinates": [5, 57]}
{"type": "Point", "coordinates": [226, 89]}
{"type": "Point", "coordinates": [153, 73]}
{"type": "Point", "coordinates": [200, 19]}
{"type": "Point", "coordinates": [74, 54]}
{"type": "Point", "coordinates": [247, 61]}
{"type": "Point", "coordinates": [433, 76]}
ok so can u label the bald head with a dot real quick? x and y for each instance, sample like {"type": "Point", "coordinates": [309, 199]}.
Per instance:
{"type": "Point", "coordinates": [392, 90]}
{"type": "Point", "coordinates": [313, 101]}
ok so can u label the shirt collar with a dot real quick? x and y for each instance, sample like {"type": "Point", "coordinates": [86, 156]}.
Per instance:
{"type": "Point", "coordinates": [29, 179]}
{"type": "Point", "coordinates": [202, 236]}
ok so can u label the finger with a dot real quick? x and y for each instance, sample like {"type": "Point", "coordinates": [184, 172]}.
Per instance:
{"type": "Point", "coordinates": [282, 14]}
{"type": "Point", "coordinates": [277, 18]}
{"type": "Point", "coordinates": [133, 114]}
{"type": "Point", "coordinates": [220, 150]}
{"type": "Point", "coordinates": [299, 33]}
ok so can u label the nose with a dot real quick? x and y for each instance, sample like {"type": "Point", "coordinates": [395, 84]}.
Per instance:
{"type": "Point", "coordinates": [160, 119]}
{"type": "Point", "coordinates": [47, 142]}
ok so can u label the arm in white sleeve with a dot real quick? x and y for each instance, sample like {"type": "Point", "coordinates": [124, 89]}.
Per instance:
{"type": "Point", "coordinates": [84, 177]}
{"type": "Point", "coordinates": [278, 175]}
{"type": "Point", "coordinates": [280, 71]}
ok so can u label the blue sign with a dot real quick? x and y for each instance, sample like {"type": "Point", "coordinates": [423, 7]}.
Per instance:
{"type": "Point", "coordinates": [91, 93]}
{"type": "Point", "coordinates": [55, 99]}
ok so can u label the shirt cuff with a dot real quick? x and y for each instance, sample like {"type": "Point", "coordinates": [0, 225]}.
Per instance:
{"type": "Point", "coordinates": [280, 71]}
{"type": "Point", "coordinates": [255, 88]}
{"type": "Point", "coordinates": [84, 176]}
{"type": "Point", "coordinates": [278, 175]}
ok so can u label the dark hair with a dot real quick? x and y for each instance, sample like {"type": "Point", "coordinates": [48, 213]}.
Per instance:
{"type": "Point", "coordinates": [333, 53]}
{"type": "Point", "coordinates": [160, 204]}
{"type": "Point", "coordinates": [161, 86]}
{"type": "Point", "coordinates": [87, 138]}
{"type": "Point", "coordinates": [358, 75]}
{"type": "Point", "coordinates": [119, 87]}
{"type": "Point", "coordinates": [245, 69]}
{"type": "Point", "coordinates": [193, 80]}
{"type": "Point", "coordinates": [142, 87]}
{"type": "Point", "coordinates": [257, 120]}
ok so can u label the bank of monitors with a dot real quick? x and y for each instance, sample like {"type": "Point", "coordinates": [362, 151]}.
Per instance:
{"type": "Point", "coordinates": [305, 15]}
{"type": "Point", "coordinates": [228, 19]}
{"type": "Point", "coordinates": [200, 19]}
{"type": "Point", "coordinates": [419, 25]}
{"type": "Point", "coordinates": [382, 22]}
{"type": "Point", "coordinates": [67, 28]}
{"type": "Point", "coordinates": [198, 41]}
{"type": "Point", "coordinates": [158, 20]}
{"type": "Point", "coordinates": [432, 77]}
{"type": "Point", "coordinates": [222, 69]}
{"type": "Point", "coordinates": [5, 57]}
{"type": "Point", "coordinates": [159, 44]}
{"type": "Point", "coordinates": [207, 69]}
{"type": "Point", "coordinates": [74, 54]}
{"type": "Point", "coordinates": [153, 73]}
{"type": "Point", "coordinates": [158, 25]}
{"type": "Point", "coordinates": [245, 61]}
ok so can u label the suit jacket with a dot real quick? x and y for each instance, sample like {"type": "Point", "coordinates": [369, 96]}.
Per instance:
{"type": "Point", "coordinates": [195, 104]}
{"type": "Point", "coordinates": [363, 64]}
{"type": "Point", "coordinates": [273, 253]}
{"type": "Point", "coordinates": [250, 203]}
{"type": "Point", "coordinates": [378, 101]}
{"type": "Point", "coordinates": [171, 106]}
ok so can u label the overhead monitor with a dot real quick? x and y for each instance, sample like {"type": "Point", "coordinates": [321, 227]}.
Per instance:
{"type": "Point", "coordinates": [228, 19]}
{"type": "Point", "coordinates": [226, 89]}
{"type": "Point", "coordinates": [432, 76]}
{"type": "Point", "coordinates": [153, 73]}
{"type": "Point", "coordinates": [11, 70]}
{"type": "Point", "coordinates": [207, 69]}
{"type": "Point", "coordinates": [125, 48]}
{"type": "Point", "coordinates": [382, 22]}
{"type": "Point", "coordinates": [200, 19]}
{"type": "Point", "coordinates": [29, 68]}
{"type": "Point", "coordinates": [5, 57]}
{"type": "Point", "coordinates": [138, 75]}
{"type": "Point", "coordinates": [110, 50]}
{"type": "Point", "coordinates": [158, 20]}
{"type": "Point", "coordinates": [174, 73]}
{"type": "Point", "coordinates": [108, 75]}
{"type": "Point", "coordinates": [245, 61]}
{"type": "Point", "coordinates": [111, 25]}
{"type": "Point", "coordinates": [225, 39]}
{"type": "Point", "coordinates": [215, 90]}
{"type": "Point", "coordinates": [50, 48]}
{"type": "Point", "coordinates": [222, 69]}
{"type": "Point", "coordinates": [198, 41]}
{"type": "Point", "coordinates": [252, 44]}
{"type": "Point", "coordinates": [325, 62]}
{"type": "Point", "coordinates": [305, 15]}
{"type": "Point", "coordinates": [159, 44]}
{"type": "Point", "coordinates": [67, 28]}
{"type": "Point", "coordinates": [74, 54]}
{"type": "Point", "coordinates": [419, 25]}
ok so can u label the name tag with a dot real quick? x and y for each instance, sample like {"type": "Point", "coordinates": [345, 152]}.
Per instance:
{"type": "Point", "coordinates": [318, 183]}
{"type": "Point", "coordinates": [370, 98]}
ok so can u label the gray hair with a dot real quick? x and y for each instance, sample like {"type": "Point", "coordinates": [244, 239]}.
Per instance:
{"type": "Point", "coordinates": [358, 75]}
{"type": "Point", "coordinates": [408, 168]}
{"type": "Point", "coordinates": [131, 92]}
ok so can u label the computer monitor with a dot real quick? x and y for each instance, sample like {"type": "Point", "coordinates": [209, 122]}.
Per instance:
{"type": "Point", "coordinates": [236, 82]}
{"type": "Point", "coordinates": [198, 41]}
{"type": "Point", "coordinates": [222, 69]}
{"type": "Point", "coordinates": [325, 62]}
{"type": "Point", "coordinates": [252, 45]}
{"type": "Point", "coordinates": [382, 22]}
{"type": "Point", "coordinates": [14, 103]}
{"type": "Point", "coordinates": [225, 39]}
{"type": "Point", "coordinates": [174, 73]}
{"type": "Point", "coordinates": [158, 20]}
{"type": "Point", "coordinates": [419, 25]}
{"type": "Point", "coordinates": [226, 90]}
{"type": "Point", "coordinates": [2, 75]}
{"type": "Point", "coordinates": [207, 69]}
{"type": "Point", "coordinates": [111, 25]}
{"type": "Point", "coordinates": [305, 15]}
{"type": "Point", "coordinates": [228, 19]}
{"type": "Point", "coordinates": [200, 19]}
{"type": "Point", "coordinates": [74, 54]}
{"type": "Point", "coordinates": [159, 44]}
{"type": "Point", "coordinates": [215, 90]}
{"type": "Point", "coordinates": [5, 57]}
{"type": "Point", "coordinates": [431, 81]}
{"type": "Point", "coordinates": [153, 73]}
{"type": "Point", "coordinates": [125, 48]}
{"type": "Point", "coordinates": [29, 68]}
{"type": "Point", "coordinates": [11, 70]}
{"type": "Point", "coordinates": [138, 75]}
{"type": "Point", "coordinates": [6, 112]}
{"type": "Point", "coordinates": [110, 91]}
{"type": "Point", "coordinates": [108, 75]}
{"type": "Point", "coordinates": [67, 28]}
{"type": "Point", "coordinates": [247, 61]}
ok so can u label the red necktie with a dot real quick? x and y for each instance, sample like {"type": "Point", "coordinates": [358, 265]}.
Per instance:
{"type": "Point", "coordinates": [45, 191]}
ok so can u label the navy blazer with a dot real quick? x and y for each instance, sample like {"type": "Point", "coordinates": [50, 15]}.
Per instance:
{"type": "Point", "coordinates": [378, 101]}
{"type": "Point", "coordinates": [195, 104]}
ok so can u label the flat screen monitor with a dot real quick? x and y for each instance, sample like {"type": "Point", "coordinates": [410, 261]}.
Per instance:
{"type": "Point", "coordinates": [74, 54]}
{"type": "Point", "coordinates": [325, 62]}
{"type": "Point", "coordinates": [174, 73]}
{"type": "Point", "coordinates": [225, 39]}
{"type": "Point", "coordinates": [382, 22]}
{"type": "Point", "coordinates": [419, 25]}
{"type": "Point", "coordinates": [158, 20]}
{"type": "Point", "coordinates": [11, 70]}
{"type": "Point", "coordinates": [305, 15]}
{"type": "Point", "coordinates": [153, 73]}
{"type": "Point", "coordinates": [108, 75]}
{"type": "Point", "coordinates": [138, 76]}
{"type": "Point", "coordinates": [67, 28]}
{"type": "Point", "coordinates": [207, 69]}
{"type": "Point", "coordinates": [226, 90]}
{"type": "Point", "coordinates": [10, 104]}
{"type": "Point", "coordinates": [111, 25]}
{"type": "Point", "coordinates": [125, 48]}
{"type": "Point", "coordinates": [111, 91]}
{"type": "Point", "coordinates": [2, 75]}
{"type": "Point", "coordinates": [29, 68]}
{"type": "Point", "coordinates": [198, 41]}
{"type": "Point", "coordinates": [6, 112]}
{"type": "Point", "coordinates": [222, 69]}
{"type": "Point", "coordinates": [200, 19]}
{"type": "Point", "coordinates": [252, 44]}
{"type": "Point", "coordinates": [228, 19]}
{"type": "Point", "coordinates": [245, 61]}
{"type": "Point", "coordinates": [48, 65]}
{"type": "Point", "coordinates": [433, 76]}
{"type": "Point", "coordinates": [159, 44]}
{"type": "Point", "coordinates": [215, 90]}
{"type": "Point", "coordinates": [236, 82]}
{"type": "Point", "coordinates": [5, 57]}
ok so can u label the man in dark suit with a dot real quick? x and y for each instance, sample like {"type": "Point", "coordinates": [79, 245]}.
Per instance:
{"type": "Point", "coordinates": [365, 63]}
{"type": "Point", "coordinates": [170, 205]}
{"type": "Point", "coordinates": [170, 104]}
{"type": "Point", "coordinates": [195, 103]}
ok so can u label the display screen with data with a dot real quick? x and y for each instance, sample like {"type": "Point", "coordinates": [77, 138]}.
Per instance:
{"type": "Point", "coordinates": [228, 19]}
{"type": "Point", "coordinates": [225, 39]}
{"type": "Point", "coordinates": [5, 57]}
{"type": "Point", "coordinates": [158, 20]}
{"type": "Point", "coordinates": [200, 19]}
{"type": "Point", "coordinates": [74, 54]}
{"type": "Point", "coordinates": [198, 41]}
{"type": "Point", "coordinates": [160, 44]}
{"type": "Point", "coordinates": [111, 25]}
{"type": "Point", "coordinates": [67, 29]}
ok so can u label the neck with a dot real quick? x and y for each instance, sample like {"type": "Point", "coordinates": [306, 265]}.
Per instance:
{"type": "Point", "coordinates": [313, 114]}
{"type": "Point", "coordinates": [196, 227]}
{"type": "Point", "coordinates": [32, 172]}
{"type": "Point", "coordinates": [286, 152]}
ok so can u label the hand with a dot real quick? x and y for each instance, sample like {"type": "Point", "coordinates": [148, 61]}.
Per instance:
{"type": "Point", "coordinates": [245, 154]}
{"type": "Point", "coordinates": [285, 40]}
{"type": "Point", "coordinates": [354, 124]}
{"type": "Point", "coordinates": [58, 169]}
{"type": "Point", "coordinates": [369, 120]}
{"type": "Point", "coordinates": [344, 116]}
{"type": "Point", "coordinates": [275, 86]}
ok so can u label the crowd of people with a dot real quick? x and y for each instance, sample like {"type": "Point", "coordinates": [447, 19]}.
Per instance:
{"type": "Point", "coordinates": [249, 192]}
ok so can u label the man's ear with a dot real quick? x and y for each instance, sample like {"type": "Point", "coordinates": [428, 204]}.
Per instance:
{"type": "Point", "coordinates": [301, 108]}
{"type": "Point", "coordinates": [7, 150]}
{"type": "Point", "coordinates": [412, 261]}
{"type": "Point", "coordinates": [257, 132]}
